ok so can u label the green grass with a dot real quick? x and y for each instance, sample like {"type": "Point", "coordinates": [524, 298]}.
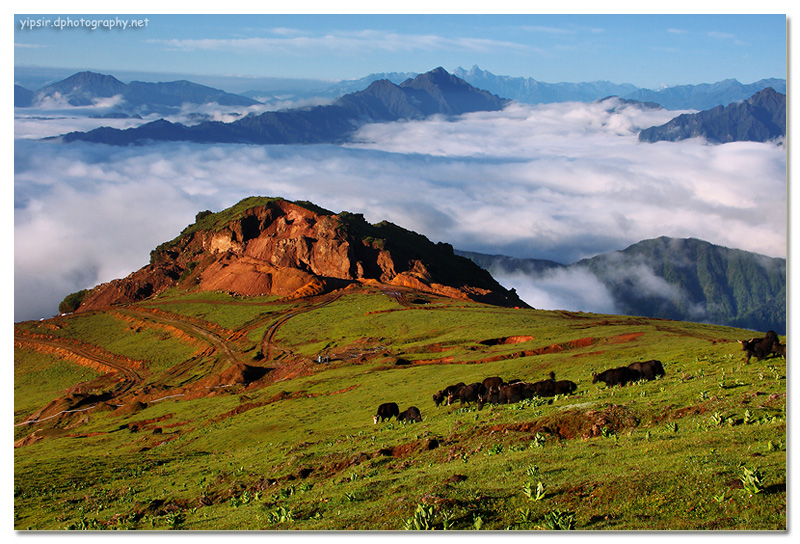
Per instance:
{"type": "Point", "coordinates": [38, 378]}
{"type": "Point", "coordinates": [303, 453]}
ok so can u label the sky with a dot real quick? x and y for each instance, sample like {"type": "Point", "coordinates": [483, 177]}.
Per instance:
{"type": "Point", "coordinates": [553, 181]}
{"type": "Point", "coordinates": [648, 51]}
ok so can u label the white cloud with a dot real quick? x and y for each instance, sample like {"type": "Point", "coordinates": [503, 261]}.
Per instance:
{"type": "Point", "coordinates": [562, 182]}
{"type": "Point", "coordinates": [346, 42]}
{"type": "Point", "coordinates": [574, 289]}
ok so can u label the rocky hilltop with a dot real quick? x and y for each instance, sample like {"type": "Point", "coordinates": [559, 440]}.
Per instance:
{"type": "Point", "coordinates": [269, 246]}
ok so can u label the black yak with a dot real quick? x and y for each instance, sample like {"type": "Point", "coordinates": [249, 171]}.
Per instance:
{"type": "Point", "coordinates": [410, 414]}
{"type": "Point", "coordinates": [386, 410]}
{"type": "Point", "coordinates": [617, 376]}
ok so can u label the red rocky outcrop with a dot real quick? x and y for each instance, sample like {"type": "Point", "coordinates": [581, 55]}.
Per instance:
{"type": "Point", "coordinates": [276, 247]}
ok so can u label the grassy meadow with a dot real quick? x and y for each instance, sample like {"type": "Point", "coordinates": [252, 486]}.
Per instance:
{"type": "Point", "coordinates": [701, 448]}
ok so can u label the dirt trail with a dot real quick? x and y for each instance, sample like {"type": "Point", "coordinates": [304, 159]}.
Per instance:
{"type": "Point", "coordinates": [190, 326]}
{"type": "Point", "coordinates": [268, 346]}
{"type": "Point", "coordinates": [93, 357]}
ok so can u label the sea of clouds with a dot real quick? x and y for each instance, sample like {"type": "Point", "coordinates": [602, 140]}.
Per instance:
{"type": "Point", "coordinates": [556, 181]}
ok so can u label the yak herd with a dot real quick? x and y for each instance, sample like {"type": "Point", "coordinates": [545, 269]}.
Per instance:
{"type": "Point", "coordinates": [495, 390]}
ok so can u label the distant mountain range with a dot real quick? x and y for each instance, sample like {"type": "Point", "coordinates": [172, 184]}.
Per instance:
{"type": "Point", "coordinates": [681, 279]}
{"type": "Point", "coordinates": [680, 97]}
{"type": "Point", "coordinates": [136, 97]}
{"type": "Point", "coordinates": [530, 91]}
{"type": "Point", "coordinates": [434, 92]}
{"type": "Point", "coordinates": [760, 118]}
{"type": "Point", "coordinates": [522, 89]}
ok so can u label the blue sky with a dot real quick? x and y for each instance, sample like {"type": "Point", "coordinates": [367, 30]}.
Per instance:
{"type": "Point", "coordinates": [645, 50]}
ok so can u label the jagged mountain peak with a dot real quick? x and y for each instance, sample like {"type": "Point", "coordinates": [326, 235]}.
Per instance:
{"type": "Point", "coordinates": [760, 118]}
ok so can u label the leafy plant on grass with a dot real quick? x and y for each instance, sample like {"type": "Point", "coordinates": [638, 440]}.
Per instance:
{"type": "Point", "coordinates": [350, 497]}
{"type": "Point", "coordinates": [672, 427]}
{"type": "Point", "coordinates": [607, 432]}
{"type": "Point", "coordinates": [175, 520]}
{"type": "Point", "coordinates": [539, 440]}
{"type": "Point", "coordinates": [422, 520]}
{"type": "Point", "coordinates": [447, 520]}
{"type": "Point", "coordinates": [536, 493]}
{"type": "Point", "coordinates": [496, 449]}
{"type": "Point", "coordinates": [281, 514]}
{"type": "Point", "coordinates": [556, 520]}
{"type": "Point", "coordinates": [752, 480]}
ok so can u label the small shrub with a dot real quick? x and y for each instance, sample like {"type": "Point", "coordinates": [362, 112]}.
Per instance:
{"type": "Point", "coordinates": [539, 440]}
{"type": "Point", "coordinates": [72, 301]}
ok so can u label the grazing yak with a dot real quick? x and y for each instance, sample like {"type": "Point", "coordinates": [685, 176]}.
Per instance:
{"type": "Point", "coordinates": [552, 387]}
{"type": "Point", "coordinates": [410, 414]}
{"type": "Point", "coordinates": [647, 370]}
{"type": "Point", "coordinates": [514, 392]}
{"type": "Point", "coordinates": [565, 387]}
{"type": "Point", "coordinates": [617, 376]}
{"type": "Point", "coordinates": [447, 393]}
{"type": "Point", "coordinates": [386, 410]}
{"type": "Point", "coordinates": [492, 384]}
{"type": "Point", "coordinates": [762, 347]}
{"type": "Point", "coordinates": [474, 392]}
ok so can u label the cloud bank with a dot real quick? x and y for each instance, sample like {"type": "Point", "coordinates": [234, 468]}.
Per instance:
{"type": "Point", "coordinates": [559, 182]}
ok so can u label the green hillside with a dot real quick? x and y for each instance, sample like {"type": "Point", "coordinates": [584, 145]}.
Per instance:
{"type": "Point", "coordinates": [711, 283]}
{"type": "Point", "coordinates": [203, 411]}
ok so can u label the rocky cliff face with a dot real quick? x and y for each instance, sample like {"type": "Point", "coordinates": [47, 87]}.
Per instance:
{"type": "Point", "coordinates": [289, 249]}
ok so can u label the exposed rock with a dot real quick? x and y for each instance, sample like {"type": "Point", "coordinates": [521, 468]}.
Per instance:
{"type": "Point", "coordinates": [265, 246]}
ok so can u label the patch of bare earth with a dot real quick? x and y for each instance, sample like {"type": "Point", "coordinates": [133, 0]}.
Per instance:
{"type": "Point", "coordinates": [573, 423]}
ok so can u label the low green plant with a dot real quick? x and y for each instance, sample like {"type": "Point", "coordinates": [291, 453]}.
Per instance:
{"type": "Point", "coordinates": [557, 520]}
{"type": "Point", "coordinates": [532, 470]}
{"type": "Point", "coordinates": [495, 449]}
{"type": "Point", "coordinates": [672, 426]}
{"type": "Point", "coordinates": [422, 520]}
{"type": "Point", "coordinates": [447, 520]}
{"type": "Point", "coordinates": [175, 519]}
{"type": "Point", "coordinates": [752, 480]}
{"type": "Point", "coordinates": [281, 514]}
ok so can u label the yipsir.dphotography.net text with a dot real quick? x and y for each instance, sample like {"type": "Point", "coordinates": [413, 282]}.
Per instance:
{"type": "Point", "coordinates": [66, 23]}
